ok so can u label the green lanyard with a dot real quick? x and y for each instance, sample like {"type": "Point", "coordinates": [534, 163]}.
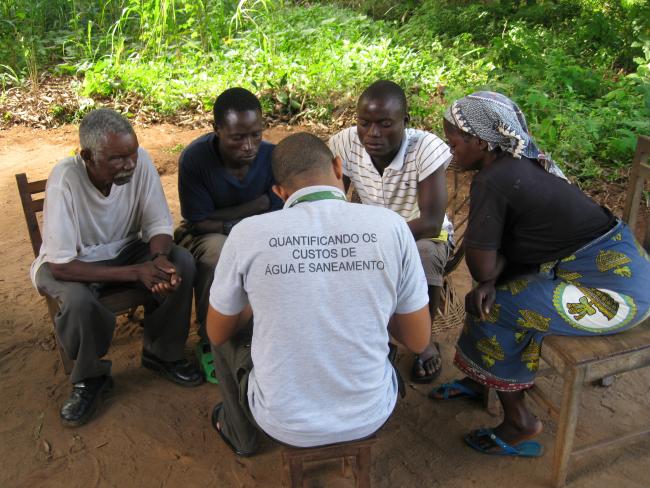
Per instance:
{"type": "Point", "coordinates": [318, 195]}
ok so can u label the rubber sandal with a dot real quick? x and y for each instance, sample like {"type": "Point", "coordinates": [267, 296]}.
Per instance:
{"type": "Point", "coordinates": [206, 361]}
{"type": "Point", "coordinates": [446, 388]}
{"type": "Point", "coordinates": [215, 419]}
{"type": "Point", "coordinates": [418, 363]}
{"type": "Point", "coordinates": [523, 449]}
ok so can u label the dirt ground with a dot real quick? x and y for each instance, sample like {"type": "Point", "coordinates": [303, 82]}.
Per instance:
{"type": "Point", "coordinates": [152, 433]}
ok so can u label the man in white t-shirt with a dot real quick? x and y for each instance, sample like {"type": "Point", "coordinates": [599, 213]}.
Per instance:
{"type": "Point", "coordinates": [326, 281]}
{"type": "Point", "coordinates": [401, 169]}
{"type": "Point", "coordinates": [106, 222]}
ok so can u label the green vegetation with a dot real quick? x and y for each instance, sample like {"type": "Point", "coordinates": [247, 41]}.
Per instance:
{"type": "Point", "coordinates": [579, 69]}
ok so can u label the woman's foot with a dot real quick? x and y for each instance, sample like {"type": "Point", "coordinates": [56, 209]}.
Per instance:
{"type": "Point", "coordinates": [468, 388]}
{"type": "Point", "coordinates": [509, 433]}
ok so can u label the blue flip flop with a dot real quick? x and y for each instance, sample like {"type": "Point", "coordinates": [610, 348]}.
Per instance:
{"type": "Point", "coordinates": [446, 388]}
{"type": "Point", "coordinates": [523, 449]}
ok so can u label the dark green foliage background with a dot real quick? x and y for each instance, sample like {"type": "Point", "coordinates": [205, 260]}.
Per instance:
{"type": "Point", "coordinates": [579, 69]}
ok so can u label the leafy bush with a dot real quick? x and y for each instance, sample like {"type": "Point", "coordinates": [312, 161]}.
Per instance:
{"type": "Point", "coordinates": [579, 69]}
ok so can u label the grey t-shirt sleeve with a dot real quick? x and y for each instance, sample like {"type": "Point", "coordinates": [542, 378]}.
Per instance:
{"type": "Point", "coordinates": [59, 229]}
{"type": "Point", "coordinates": [412, 292]}
{"type": "Point", "coordinates": [156, 218]}
{"type": "Point", "coordinates": [227, 294]}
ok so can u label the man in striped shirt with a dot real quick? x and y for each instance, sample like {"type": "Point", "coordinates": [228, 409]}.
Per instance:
{"type": "Point", "coordinates": [402, 169]}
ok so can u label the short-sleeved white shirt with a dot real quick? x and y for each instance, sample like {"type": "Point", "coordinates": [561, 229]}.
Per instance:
{"type": "Point", "coordinates": [323, 279]}
{"type": "Point", "coordinates": [79, 222]}
{"type": "Point", "coordinates": [420, 154]}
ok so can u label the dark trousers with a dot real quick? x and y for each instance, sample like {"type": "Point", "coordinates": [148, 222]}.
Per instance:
{"type": "Point", "coordinates": [206, 250]}
{"type": "Point", "coordinates": [232, 367]}
{"type": "Point", "coordinates": [85, 326]}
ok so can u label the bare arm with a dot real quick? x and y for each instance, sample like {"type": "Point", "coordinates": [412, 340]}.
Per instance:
{"type": "Point", "coordinates": [158, 275]}
{"type": "Point", "coordinates": [222, 327]}
{"type": "Point", "coordinates": [485, 267]}
{"type": "Point", "coordinates": [432, 200]}
{"type": "Point", "coordinates": [92, 272]}
{"type": "Point", "coordinates": [214, 222]}
{"type": "Point", "coordinates": [412, 329]}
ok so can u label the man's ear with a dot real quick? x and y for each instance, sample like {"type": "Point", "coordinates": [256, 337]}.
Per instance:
{"type": "Point", "coordinates": [482, 144]}
{"type": "Point", "coordinates": [407, 119]}
{"type": "Point", "coordinates": [215, 128]}
{"type": "Point", "coordinates": [281, 192]}
{"type": "Point", "coordinates": [86, 155]}
{"type": "Point", "coordinates": [337, 166]}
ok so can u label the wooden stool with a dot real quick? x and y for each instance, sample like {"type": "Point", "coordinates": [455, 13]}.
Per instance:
{"type": "Point", "coordinates": [294, 457]}
{"type": "Point", "coordinates": [580, 361]}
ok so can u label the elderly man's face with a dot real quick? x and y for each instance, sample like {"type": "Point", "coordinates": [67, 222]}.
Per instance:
{"type": "Point", "coordinates": [115, 160]}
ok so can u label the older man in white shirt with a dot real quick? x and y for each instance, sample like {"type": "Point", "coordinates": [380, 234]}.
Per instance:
{"type": "Point", "coordinates": [106, 222]}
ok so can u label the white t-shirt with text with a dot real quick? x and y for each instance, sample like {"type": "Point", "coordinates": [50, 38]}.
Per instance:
{"type": "Point", "coordinates": [323, 279]}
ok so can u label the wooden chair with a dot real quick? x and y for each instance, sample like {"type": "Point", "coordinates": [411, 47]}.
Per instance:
{"type": "Point", "coordinates": [293, 459]}
{"type": "Point", "coordinates": [582, 360]}
{"type": "Point", "coordinates": [120, 300]}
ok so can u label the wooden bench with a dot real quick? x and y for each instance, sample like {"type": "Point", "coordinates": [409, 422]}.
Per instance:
{"type": "Point", "coordinates": [119, 300]}
{"type": "Point", "coordinates": [582, 360]}
{"type": "Point", "coordinates": [293, 459]}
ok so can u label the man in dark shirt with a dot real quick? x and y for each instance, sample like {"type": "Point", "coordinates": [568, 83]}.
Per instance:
{"type": "Point", "coordinates": [223, 177]}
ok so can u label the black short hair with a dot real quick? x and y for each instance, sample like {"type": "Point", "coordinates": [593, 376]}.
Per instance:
{"type": "Point", "coordinates": [235, 99]}
{"type": "Point", "coordinates": [385, 89]}
{"type": "Point", "coordinates": [299, 153]}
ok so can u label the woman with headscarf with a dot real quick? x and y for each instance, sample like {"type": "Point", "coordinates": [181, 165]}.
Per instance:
{"type": "Point", "coordinates": [546, 259]}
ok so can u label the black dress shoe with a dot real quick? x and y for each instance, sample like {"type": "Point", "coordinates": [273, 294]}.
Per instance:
{"type": "Point", "coordinates": [79, 408]}
{"type": "Point", "coordinates": [181, 372]}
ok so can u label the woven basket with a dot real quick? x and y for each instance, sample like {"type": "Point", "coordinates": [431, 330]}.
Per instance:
{"type": "Point", "coordinates": [451, 313]}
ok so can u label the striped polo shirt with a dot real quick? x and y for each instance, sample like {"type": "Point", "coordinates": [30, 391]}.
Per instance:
{"type": "Point", "coordinates": [420, 154]}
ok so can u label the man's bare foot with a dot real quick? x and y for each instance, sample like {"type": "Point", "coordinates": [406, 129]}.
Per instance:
{"type": "Point", "coordinates": [427, 366]}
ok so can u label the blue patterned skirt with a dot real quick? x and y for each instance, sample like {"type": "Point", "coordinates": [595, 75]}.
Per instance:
{"type": "Point", "coordinates": [603, 288]}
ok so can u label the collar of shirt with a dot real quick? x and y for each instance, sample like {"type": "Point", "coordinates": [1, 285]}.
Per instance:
{"type": "Point", "coordinates": [311, 189]}
{"type": "Point", "coordinates": [397, 162]}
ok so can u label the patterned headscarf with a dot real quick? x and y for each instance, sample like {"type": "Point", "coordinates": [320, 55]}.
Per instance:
{"type": "Point", "coordinates": [497, 120]}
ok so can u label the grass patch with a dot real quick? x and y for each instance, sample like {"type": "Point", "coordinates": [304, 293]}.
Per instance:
{"type": "Point", "coordinates": [579, 69]}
